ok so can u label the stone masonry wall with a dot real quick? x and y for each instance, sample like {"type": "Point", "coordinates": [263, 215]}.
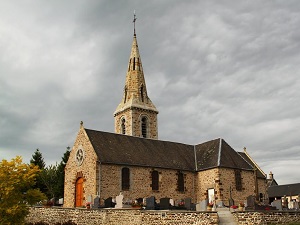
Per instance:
{"type": "Point", "coordinates": [266, 217]}
{"type": "Point", "coordinates": [206, 180]}
{"type": "Point", "coordinates": [222, 179]}
{"type": "Point", "coordinates": [227, 181]}
{"type": "Point", "coordinates": [120, 217]}
{"type": "Point", "coordinates": [133, 122]}
{"type": "Point", "coordinates": [140, 183]}
{"type": "Point", "coordinates": [87, 170]}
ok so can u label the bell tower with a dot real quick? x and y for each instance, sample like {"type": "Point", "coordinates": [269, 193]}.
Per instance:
{"type": "Point", "coordinates": [136, 115]}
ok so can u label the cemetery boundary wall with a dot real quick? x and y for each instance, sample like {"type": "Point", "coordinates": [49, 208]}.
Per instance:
{"type": "Point", "coordinates": [266, 217]}
{"type": "Point", "coordinates": [119, 216]}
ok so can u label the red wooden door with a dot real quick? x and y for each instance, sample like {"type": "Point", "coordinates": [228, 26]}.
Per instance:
{"type": "Point", "coordinates": [79, 192]}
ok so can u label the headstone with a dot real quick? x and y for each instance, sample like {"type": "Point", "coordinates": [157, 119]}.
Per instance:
{"type": "Point", "coordinates": [220, 204]}
{"type": "Point", "coordinates": [188, 203]}
{"type": "Point", "coordinates": [171, 202]}
{"type": "Point", "coordinates": [250, 202]}
{"type": "Point", "coordinates": [96, 202]}
{"type": "Point", "coordinates": [61, 201]}
{"type": "Point", "coordinates": [150, 203]}
{"type": "Point", "coordinates": [119, 201]}
{"type": "Point", "coordinates": [201, 206]}
{"type": "Point", "coordinates": [164, 203]}
{"type": "Point", "coordinates": [277, 204]}
{"type": "Point", "coordinates": [108, 203]}
{"type": "Point", "coordinates": [296, 205]}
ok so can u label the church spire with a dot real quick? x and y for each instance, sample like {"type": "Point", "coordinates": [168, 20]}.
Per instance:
{"type": "Point", "coordinates": [136, 115]}
{"type": "Point", "coordinates": [134, 19]}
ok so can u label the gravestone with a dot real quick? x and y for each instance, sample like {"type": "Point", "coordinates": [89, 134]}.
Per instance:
{"type": "Point", "coordinates": [150, 203]}
{"type": "Point", "coordinates": [220, 204]}
{"type": "Point", "coordinates": [119, 201]}
{"type": "Point", "coordinates": [61, 201]}
{"type": "Point", "coordinates": [96, 202]}
{"type": "Point", "coordinates": [109, 203]}
{"type": "Point", "coordinates": [202, 206]}
{"type": "Point", "coordinates": [250, 202]}
{"type": "Point", "coordinates": [172, 202]}
{"type": "Point", "coordinates": [164, 203]}
{"type": "Point", "coordinates": [188, 203]}
{"type": "Point", "coordinates": [277, 204]}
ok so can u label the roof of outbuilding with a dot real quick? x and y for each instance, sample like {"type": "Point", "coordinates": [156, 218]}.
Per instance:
{"type": "Point", "coordinates": [284, 190]}
{"type": "Point", "coordinates": [135, 151]}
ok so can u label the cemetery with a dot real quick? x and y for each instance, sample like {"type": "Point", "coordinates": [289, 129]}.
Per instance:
{"type": "Point", "coordinates": [166, 211]}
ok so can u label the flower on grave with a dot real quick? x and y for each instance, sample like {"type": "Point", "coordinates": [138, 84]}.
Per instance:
{"type": "Point", "coordinates": [210, 204]}
{"type": "Point", "coordinates": [181, 203]}
{"type": "Point", "coordinates": [241, 204]}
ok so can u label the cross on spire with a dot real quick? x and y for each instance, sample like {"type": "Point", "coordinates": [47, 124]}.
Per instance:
{"type": "Point", "coordinates": [134, 19]}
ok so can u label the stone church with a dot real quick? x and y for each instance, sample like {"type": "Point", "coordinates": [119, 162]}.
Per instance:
{"type": "Point", "coordinates": [133, 161]}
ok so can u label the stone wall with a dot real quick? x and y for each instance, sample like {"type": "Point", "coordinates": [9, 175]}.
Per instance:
{"type": "Point", "coordinates": [227, 179]}
{"type": "Point", "coordinates": [222, 179]}
{"type": "Point", "coordinates": [120, 217]}
{"type": "Point", "coordinates": [140, 183]}
{"type": "Point", "coordinates": [266, 217]}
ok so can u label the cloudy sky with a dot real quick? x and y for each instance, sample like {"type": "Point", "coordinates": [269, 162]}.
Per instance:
{"type": "Point", "coordinates": [213, 69]}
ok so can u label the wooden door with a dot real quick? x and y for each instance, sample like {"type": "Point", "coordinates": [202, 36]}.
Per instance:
{"type": "Point", "coordinates": [79, 192]}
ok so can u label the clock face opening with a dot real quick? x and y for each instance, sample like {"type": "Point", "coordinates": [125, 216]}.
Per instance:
{"type": "Point", "coordinates": [79, 157]}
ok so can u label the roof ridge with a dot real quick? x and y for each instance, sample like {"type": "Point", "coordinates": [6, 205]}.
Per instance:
{"type": "Point", "coordinates": [219, 153]}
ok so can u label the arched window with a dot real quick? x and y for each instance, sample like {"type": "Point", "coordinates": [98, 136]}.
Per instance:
{"type": "Point", "coordinates": [125, 179]}
{"type": "Point", "coordinates": [238, 180]}
{"type": "Point", "coordinates": [133, 63]}
{"type": "Point", "coordinates": [125, 94]}
{"type": "Point", "coordinates": [155, 180]}
{"type": "Point", "coordinates": [123, 128]}
{"type": "Point", "coordinates": [142, 93]}
{"type": "Point", "coordinates": [144, 127]}
{"type": "Point", "coordinates": [180, 181]}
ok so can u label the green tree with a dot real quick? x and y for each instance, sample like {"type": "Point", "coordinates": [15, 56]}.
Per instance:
{"type": "Point", "coordinates": [53, 177]}
{"type": "Point", "coordinates": [49, 179]}
{"type": "Point", "coordinates": [16, 190]}
{"type": "Point", "coordinates": [61, 173]}
{"type": "Point", "coordinates": [38, 160]}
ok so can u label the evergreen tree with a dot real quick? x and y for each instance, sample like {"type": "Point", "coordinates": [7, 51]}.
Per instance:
{"type": "Point", "coordinates": [61, 174]}
{"type": "Point", "coordinates": [38, 160]}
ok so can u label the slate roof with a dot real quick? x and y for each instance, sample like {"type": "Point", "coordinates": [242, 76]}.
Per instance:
{"type": "Point", "coordinates": [128, 150]}
{"type": "Point", "coordinates": [217, 153]}
{"type": "Point", "coordinates": [282, 190]}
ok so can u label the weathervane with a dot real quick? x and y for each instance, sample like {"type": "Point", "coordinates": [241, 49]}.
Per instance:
{"type": "Point", "coordinates": [134, 19]}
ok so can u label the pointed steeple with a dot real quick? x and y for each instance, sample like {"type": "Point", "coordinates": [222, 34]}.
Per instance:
{"type": "Point", "coordinates": [135, 99]}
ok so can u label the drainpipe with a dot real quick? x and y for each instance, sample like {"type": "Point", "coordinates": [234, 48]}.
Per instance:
{"type": "Point", "coordinates": [99, 182]}
{"type": "Point", "coordinates": [195, 175]}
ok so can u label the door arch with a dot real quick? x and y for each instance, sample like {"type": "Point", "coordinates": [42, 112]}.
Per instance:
{"type": "Point", "coordinates": [79, 192]}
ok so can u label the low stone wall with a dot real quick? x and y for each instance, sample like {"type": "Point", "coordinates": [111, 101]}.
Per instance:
{"type": "Point", "coordinates": [266, 217]}
{"type": "Point", "coordinates": [120, 216]}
